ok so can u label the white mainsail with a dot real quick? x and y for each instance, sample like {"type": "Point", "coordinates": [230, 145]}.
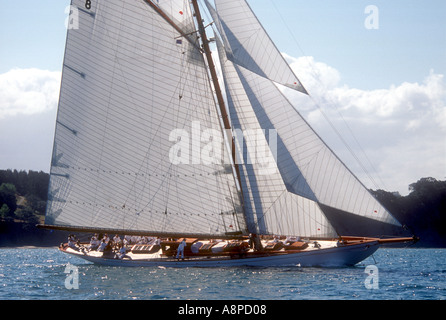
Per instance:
{"type": "Point", "coordinates": [180, 13]}
{"type": "Point", "coordinates": [132, 89]}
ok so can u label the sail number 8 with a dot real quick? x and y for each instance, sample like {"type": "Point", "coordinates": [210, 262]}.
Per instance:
{"type": "Point", "coordinates": [88, 4]}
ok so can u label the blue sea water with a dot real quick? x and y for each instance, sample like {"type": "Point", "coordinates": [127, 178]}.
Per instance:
{"type": "Point", "coordinates": [401, 274]}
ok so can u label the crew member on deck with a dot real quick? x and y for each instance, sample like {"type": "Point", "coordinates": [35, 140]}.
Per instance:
{"type": "Point", "coordinates": [117, 240]}
{"type": "Point", "coordinates": [181, 249]}
{"type": "Point", "coordinates": [254, 242]}
{"type": "Point", "coordinates": [102, 246]}
{"type": "Point", "coordinates": [72, 242]}
{"type": "Point", "coordinates": [94, 242]}
{"type": "Point", "coordinates": [122, 252]}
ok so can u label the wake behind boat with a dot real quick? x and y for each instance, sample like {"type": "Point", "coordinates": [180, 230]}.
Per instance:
{"type": "Point", "coordinates": [151, 141]}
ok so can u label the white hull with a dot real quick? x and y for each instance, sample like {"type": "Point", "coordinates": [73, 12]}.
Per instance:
{"type": "Point", "coordinates": [325, 257]}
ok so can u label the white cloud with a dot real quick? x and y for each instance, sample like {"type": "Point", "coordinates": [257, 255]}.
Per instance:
{"type": "Point", "coordinates": [401, 130]}
{"type": "Point", "coordinates": [28, 91]}
{"type": "Point", "coordinates": [28, 104]}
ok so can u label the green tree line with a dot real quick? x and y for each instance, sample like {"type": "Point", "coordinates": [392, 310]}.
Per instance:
{"type": "Point", "coordinates": [23, 195]}
{"type": "Point", "coordinates": [422, 211]}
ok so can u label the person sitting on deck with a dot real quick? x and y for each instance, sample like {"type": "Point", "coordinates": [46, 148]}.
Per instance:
{"type": "Point", "coordinates": [102, 246]}
{"type": "Point", "coordinates": [122, 252]}
{"type": "Point", "coordinates": [106, 238]}
{"type": "Point", "coordinates": [94, 242]}
{"type": "Point", "coordinates": [127, 239]}
{"type": "Point", "coordinates": [181, 249]}
{"type": "Point", "coordinates": [275, 240]}
{"type": "Point", "coordinates": [117, 239]}
{"type": "Point", "coordinates": [72, 242]}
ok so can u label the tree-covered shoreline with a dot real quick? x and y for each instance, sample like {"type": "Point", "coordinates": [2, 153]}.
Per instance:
{"type": "Point", "coordinates": [23, 195]}
{"type": "Point", "coordinates": [422, 211]}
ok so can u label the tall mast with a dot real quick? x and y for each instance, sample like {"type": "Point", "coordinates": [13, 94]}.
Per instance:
{"type": "Point", "coordinates": [216, 83]}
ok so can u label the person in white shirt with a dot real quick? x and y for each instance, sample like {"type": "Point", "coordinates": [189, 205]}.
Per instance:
{"type": "Point", "coordinates": [102, 246]}
{"type": "Point", "coordinates": [117, 240]}
{"type": "Point", "coordinates": [94, 242]}
{"type": "Point", "coordinates": [122, 253]}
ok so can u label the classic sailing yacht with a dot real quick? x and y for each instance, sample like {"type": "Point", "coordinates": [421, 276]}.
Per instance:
{"type": "Point", "coordinates": [150, 141]}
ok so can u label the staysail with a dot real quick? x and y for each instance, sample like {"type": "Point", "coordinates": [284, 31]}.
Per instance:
{"type": "Point", "coordinates": [270, 208]}
{"type": "Point", "coordinates": [136, 116]}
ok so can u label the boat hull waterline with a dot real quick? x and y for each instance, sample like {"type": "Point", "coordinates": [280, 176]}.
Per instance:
{"type": "Point", "coordinates": [342, 256]}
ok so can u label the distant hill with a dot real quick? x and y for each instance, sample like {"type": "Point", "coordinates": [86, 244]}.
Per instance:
{"type": "Point", "coordinates": [23, 196]}
{"type": "Point", "coordinates": [423, 211]}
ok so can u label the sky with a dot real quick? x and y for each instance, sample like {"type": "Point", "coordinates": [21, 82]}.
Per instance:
{"type": "Point", "coordinates": [374, 69]}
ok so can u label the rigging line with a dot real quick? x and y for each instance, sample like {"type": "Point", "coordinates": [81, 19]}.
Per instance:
{"type": "Point", "coordinates": [348, 146]}
{"type": "Point", "coordinates": [180, 88]}
{"type": "Point", "coordinates": [316, 76]}
{"type": "Point", "coordinates": [190, 111]}
{"type": "Point", "coordinates": [266, 211]}
{"type": "Point", "coordinates": [119, 65]}
{"type": "Point", "coordinates": [340, 137]}
{"type": "Point", "coordinates": [235, 213]}
{"type": "Point", "coordinates": [171, 22]}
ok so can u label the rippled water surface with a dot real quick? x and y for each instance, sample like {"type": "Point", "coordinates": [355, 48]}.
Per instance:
{"type": "Point", "coordinates": [402, 274]}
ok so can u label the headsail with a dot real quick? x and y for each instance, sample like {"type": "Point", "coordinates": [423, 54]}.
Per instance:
{"type": "Point", "coordinates": [248, 45]}
{"type": "Point", "coordinates": [308, 168]}
{"type": "Point", "coordinates": [269, 207]}
{"type": "Point", "coordinates": [134, 96]}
